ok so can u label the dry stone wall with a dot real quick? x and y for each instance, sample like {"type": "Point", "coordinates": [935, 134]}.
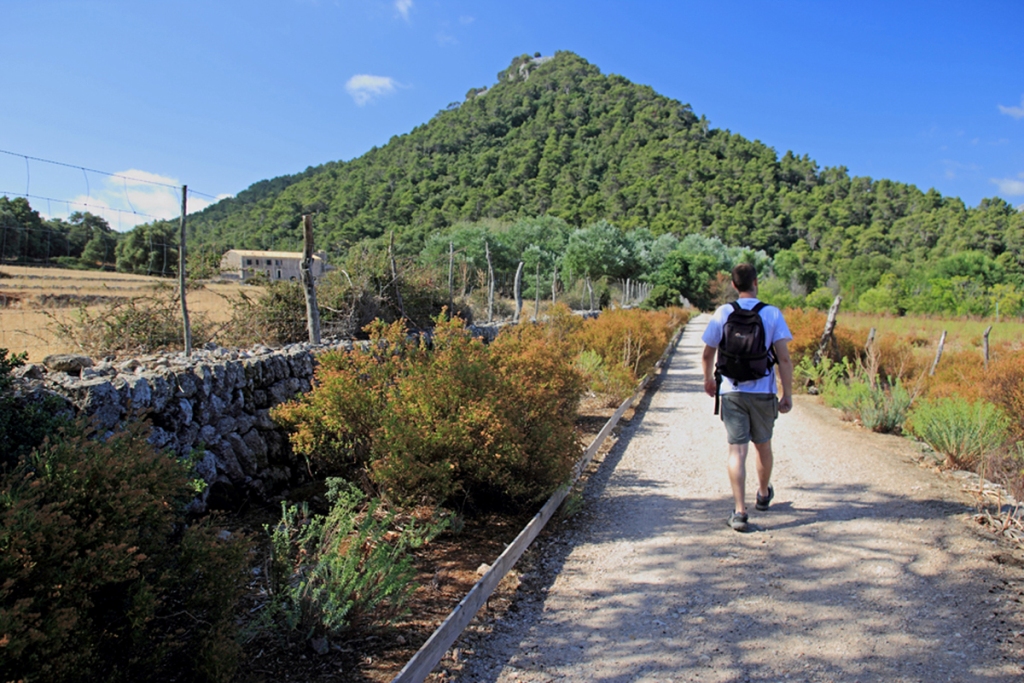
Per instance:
{"type": "Point", "coordinates": [213, 408]}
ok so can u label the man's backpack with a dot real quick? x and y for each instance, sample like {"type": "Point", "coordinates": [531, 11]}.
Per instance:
{"type": "Point", "coordinates": [743, 354]}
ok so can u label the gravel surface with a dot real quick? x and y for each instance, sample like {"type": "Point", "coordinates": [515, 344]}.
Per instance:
{"type": "Point", "coordinates": [867, 567]}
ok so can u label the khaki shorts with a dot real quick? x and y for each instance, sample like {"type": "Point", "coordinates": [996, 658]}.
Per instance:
{"type": "Point", "coordinates": [749, 417]}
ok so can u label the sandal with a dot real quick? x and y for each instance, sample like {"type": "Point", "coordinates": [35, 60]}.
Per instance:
{"type": "Point", "coordinates": [762, 503]}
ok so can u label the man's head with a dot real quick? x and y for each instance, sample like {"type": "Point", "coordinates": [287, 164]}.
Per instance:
{"type": "Point", "coordinates": [744, 277]}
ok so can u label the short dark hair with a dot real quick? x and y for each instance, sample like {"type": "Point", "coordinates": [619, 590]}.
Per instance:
{"type": "Point", "coordinates": [743, 277]}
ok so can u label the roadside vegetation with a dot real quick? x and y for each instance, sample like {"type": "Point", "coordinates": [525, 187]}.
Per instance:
{"type": "Point", "coordinates": [969, 411]}
{"type": "Point", "coordinates": [107, 577]}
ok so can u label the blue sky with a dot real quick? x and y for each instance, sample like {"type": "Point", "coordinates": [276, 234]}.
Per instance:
{"type": "Point", "coordinates": [221, 94]}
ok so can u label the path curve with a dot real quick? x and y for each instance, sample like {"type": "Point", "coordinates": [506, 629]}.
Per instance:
{"type": "Point", "coordinates": [867, 567]}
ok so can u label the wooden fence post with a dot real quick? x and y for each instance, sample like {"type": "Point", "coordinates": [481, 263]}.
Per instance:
{"type": "Point", "coordinates": [451, 275]}
{"type": "Point", "coordinates": [554, 283]}
{"type": "Point", "coordinates": [985, 337]}
{"type": "Point", "coordinates": [394, 275]}
{"type": "Point", "coordinates": [938, 353]}
{"type": "Point", "coordinates": [536, 293]}
{"type": "Point", "coordinates": [308, 284]}
{"type": "Point", "coordinates": [830, 326]}
{"type": "Point", "coordinates": [490, 283]}
{"type": "Point", "coordinates": [518, 291]}
{"type": "Point", "coordinates": [181, 276]}
{"type": "Point", "coordinates": [871, 340]}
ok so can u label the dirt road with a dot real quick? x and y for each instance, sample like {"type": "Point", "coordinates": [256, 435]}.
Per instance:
{"type": "Point", "coordinates": [866, 568]}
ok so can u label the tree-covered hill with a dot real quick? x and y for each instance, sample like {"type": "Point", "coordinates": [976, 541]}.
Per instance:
{"type": "Point", "coordinates": [556, 137]}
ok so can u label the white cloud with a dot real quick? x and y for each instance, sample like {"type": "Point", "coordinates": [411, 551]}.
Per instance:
{"type": "Point", "coordinates": [403, 7]}
{"type": "Point", "coordinates": [1015, 112]}
{"type": "Point", "coordinates": [466, 20]}
{"type": "Point", "coordinates": [1010, 186]}
{"type": "Point", "coordinates": [364, 87]}
{"type": "Point", "coordinates": [134, 198]}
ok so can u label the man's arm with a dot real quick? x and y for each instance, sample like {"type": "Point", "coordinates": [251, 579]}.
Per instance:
{"type": "Point", "coordinates": [710, 386]}
{"type": "Point", "coordinates": [785, 374]}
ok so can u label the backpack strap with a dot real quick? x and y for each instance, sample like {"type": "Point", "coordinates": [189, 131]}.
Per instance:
{"type": "Point", "coordinates": [772, 360]}
{"type": "Point", "coordinates": [718, 391]}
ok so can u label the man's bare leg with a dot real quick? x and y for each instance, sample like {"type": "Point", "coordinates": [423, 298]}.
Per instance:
{"type": "Point", "coordinates": [765, 460]}
{"type": "Point", "coordinates": [738, 474]}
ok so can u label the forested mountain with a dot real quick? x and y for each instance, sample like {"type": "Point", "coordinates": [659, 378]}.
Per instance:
{"type": "Point", "coordinates": [556, 137]}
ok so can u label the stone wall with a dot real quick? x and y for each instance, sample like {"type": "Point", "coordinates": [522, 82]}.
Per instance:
{"type": "Point", "coordinates": [213, 408]}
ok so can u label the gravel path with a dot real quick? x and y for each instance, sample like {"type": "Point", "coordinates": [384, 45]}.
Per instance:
{"type": "Point", "coordinates": [866, 568]}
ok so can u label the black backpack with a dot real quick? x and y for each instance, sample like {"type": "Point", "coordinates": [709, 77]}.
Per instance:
{"type": "Point", "coordinates": [742, 354]}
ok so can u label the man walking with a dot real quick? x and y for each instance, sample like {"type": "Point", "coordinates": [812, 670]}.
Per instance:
{"type": "Point", "coordinates": [748, 402]}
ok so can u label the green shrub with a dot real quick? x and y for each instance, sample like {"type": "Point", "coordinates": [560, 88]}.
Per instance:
{"type": "Point", "coordinates": [823, 377]}
{"type": "Point", "coordinates": [964, 432]}
{"type": "Point", "coordinates": [350, 565]}
{"type": "Point", "coordinates": [23, 423]}
{"type": "Point", "coordinates": [879, 408]}
{"type": "Point", "coordinates": [101, 580]}
{"type": "Point", "coordinates": [821, 298]}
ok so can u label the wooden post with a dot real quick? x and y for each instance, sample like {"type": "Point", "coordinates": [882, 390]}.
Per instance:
{"type": "Point", "coordinates": [985, 338]}
{"type": "Point", "coordinates": [625, 294]}
{"type": "Point", "coordinates": [451, 275]}
{"type": "Point", "coordinates": [590, 290]}
{"type": "Point", "coordinates": [830, 326]}
{"type": "Point", "coordinates": [394, 275]}
{"type": "Point", "coordinates": [181, 275]}
{"type": "Point", "coordinates": [536, 292]}
{"type": "Point", "coordinates": [554, 283]}
{"type": "Point", "coordinates": [938, 353]}
{"type": "Point", "coordinates": [490, 283]}
{"type": "Point", "coordinates": [871, 340]}
{"type": "Point", "coordinates": [308, 285]}
{"type": "Point", "coordinates": [518, 291]}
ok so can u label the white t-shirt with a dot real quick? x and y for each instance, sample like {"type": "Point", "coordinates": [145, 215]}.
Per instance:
{"type": "Point", "coordinates": [775, 329]}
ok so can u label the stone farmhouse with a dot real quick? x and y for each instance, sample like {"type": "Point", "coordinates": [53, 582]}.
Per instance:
{"type": "Point", "coordinates": [243, 264]}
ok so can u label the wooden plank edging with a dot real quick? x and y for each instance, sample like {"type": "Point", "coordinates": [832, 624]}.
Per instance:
{"type": "Point", "coordinates": [430, 654]}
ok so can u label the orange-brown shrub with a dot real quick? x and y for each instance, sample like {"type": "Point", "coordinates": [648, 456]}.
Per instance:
{"type": "Point", "coordinates": [807, 325]}
{"type": "Point", "coordinates": [1003, 385]}
{"type": "Point", "coordinates": [631, 339]}
{"type": "Point", "coordinates": [895, 357]}
{"type": "Point", "coordinates": [333, 425]}
{"type": "Point", "coordinates": [455, 422]}
{"type": "Point", "coordinates": [100, 579]}
{"type": "Point", "coordinates": [960, 374]}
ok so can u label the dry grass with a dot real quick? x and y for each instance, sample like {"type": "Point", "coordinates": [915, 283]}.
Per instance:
{"type": "Point", "coordinates": [26, 323]}
{"type": "Point", "coordinates": [963, 334]}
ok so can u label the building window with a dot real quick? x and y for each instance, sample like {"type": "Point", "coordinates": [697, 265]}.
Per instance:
{"type": "Point", "coordinates": [279, 274]}
{"type": "Point", "coordinates": [248, 261]}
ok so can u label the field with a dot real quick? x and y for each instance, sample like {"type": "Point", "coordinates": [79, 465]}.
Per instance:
{"type": "Point", "coordinates": [961, 334]}
{"type": "Point", "coordinates": [31, 298]}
